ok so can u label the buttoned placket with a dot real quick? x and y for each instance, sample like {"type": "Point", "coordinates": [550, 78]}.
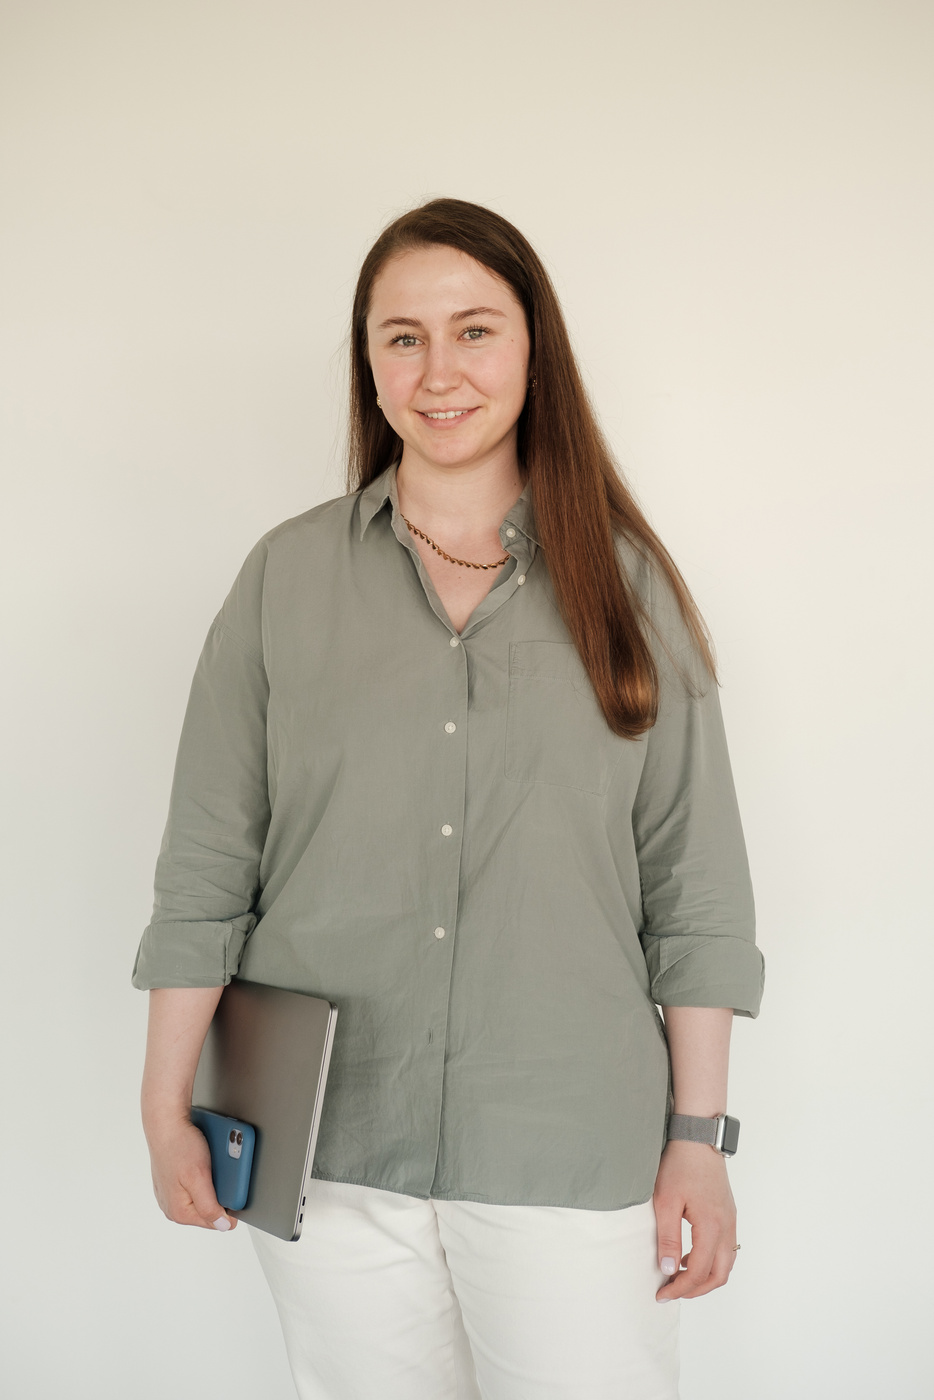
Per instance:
{"type": "Point", "coordinates": [450, 764]}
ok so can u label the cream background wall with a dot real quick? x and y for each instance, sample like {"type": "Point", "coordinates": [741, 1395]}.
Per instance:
{"type": "Point", "coordinates": [735, 200]}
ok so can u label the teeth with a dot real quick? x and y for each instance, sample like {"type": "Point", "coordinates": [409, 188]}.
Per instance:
{"type": "Point", "coordinates": [457, 413]}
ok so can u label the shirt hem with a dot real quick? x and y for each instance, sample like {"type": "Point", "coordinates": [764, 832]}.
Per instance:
{"type": "Point", "coordinates": [472, 1196]}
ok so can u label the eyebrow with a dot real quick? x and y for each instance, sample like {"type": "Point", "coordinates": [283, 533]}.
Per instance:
{"type": "Point", "coordinates": [456, 316]}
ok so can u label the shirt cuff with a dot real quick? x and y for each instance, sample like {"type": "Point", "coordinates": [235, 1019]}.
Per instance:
{"type": "Point", "coordinates": [196, 954]}
{"type": "Point", "coordinates": [688, 970]}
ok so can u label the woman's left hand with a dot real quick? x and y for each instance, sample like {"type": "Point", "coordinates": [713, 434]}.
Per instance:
{"type": "Point", "coordinates": [692, 1184]}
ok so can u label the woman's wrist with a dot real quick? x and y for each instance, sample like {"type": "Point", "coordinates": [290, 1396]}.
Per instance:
{"type": "Point", "coordinates": [161, 1111]}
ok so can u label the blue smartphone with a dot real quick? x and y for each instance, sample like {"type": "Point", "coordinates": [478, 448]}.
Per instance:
{"type": "Point", "coordinates": [231, 1143]}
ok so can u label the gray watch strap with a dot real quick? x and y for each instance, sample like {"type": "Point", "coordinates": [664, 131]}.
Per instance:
{"type": "Point", "coordinates": [720, 1133]}
{"type": "Point", "coordinates": [684, 1127]}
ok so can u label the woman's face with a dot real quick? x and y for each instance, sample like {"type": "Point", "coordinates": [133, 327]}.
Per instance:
{"type": "Point", "coordinates": [444, 334]}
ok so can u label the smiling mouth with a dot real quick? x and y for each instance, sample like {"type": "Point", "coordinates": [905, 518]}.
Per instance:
{"type": "Point", "coordinates": [446, 415]}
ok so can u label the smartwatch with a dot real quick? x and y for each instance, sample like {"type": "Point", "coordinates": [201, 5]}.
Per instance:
{"type": "Point", "coordinates": [721, 1133]}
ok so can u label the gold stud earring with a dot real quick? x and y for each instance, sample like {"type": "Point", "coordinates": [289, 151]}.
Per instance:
{"type": "Point", "coordinates": [378, 404]}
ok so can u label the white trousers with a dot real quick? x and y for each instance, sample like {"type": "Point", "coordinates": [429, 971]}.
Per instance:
{"type": "Point", "coordinates": [388, 1297]}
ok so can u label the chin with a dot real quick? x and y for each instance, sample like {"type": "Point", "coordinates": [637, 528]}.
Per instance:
{"type": "Point", "coordinates": [456, 452]}
{"type": "Point", "coordinates": [449, 443]}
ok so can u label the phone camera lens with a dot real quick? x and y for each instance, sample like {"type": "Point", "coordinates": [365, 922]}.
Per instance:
{"type": "Point", "coordinates": [239, 1139]}
{"type": "Point", "coordinates": [233, 1135]}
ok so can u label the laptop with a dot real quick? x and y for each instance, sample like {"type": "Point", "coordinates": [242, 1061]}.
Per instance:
{"type": "Point", "coordinates": [265, 1061]}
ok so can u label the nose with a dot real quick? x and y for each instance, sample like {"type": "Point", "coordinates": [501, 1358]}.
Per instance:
{"type": "Point", "coordinates": [441, 372]}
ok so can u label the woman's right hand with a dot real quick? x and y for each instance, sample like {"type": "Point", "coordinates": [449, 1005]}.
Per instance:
{"type": "Point", "coordinates": [181, 1174]}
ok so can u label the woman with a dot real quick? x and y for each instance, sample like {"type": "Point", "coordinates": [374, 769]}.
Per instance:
{"type": "Point", "coordinates": [453, 758]}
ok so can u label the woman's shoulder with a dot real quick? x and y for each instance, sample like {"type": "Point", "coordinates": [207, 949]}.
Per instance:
{"type": "Point", "coordinates": [646, 580]}
{"type": "Point", "coordinates": [328, 518]}
{"type": "Point", "coordinates": [301, 536]}
{"type": "Point", "coordinates": [652, 590]}
{"type": "Point", "coordinates": [282, 554]}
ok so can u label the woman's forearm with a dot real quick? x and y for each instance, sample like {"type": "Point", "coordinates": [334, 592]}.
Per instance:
{"type": "Point", "coordinates": [699, 1046]}
{"type": "Point", "coordinates": [692, 1181]}
{"type": "Point", "coordinates": [181, 1161]}
{"type": "Point", "coordinates": [178, 1022]}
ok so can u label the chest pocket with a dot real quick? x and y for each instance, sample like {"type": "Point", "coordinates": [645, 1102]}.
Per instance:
{"type": "Point", "coordinates": [555, 730]}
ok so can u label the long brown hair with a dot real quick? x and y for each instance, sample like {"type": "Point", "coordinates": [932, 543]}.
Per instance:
{"type": "Point", "coordinates": [577, 495]}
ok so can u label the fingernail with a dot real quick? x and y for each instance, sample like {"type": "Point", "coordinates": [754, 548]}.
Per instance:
{"type": "Point", "coordinates": [222, 1223]}
{"type": "Point", "coordinates": [669, 1267]}
{"type": "Point", "coordinates": [664, 1300]}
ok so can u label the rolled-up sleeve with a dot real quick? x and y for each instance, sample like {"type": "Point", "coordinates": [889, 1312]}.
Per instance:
{"type": "Point", "coordinates": [698, 931]}
{"type": "Point", "coordinates": [207, 873]}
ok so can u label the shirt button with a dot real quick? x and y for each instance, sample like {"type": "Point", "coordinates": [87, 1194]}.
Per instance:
{"type": "Point", "coordinates": [454, 641]}
{"type": "Point", "coordinates": [450, 727]}
{"type": "Point", "coordinates": [439, 933]}
{"type": "Point", "coordinates": [511, 534]}
{"type": "Point", "coordinates": [521, 578]}
{"type": "Point", "coordinates": [447, 830]}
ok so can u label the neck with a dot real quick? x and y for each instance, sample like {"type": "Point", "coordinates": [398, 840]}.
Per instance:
{"type": "Point", "coordinates": [461, 502]}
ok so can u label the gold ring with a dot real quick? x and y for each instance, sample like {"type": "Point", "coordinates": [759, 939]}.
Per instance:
{"type": "Point", "coordinates": [736, 1247]}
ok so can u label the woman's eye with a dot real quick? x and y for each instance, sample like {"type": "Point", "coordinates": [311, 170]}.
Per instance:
{"type": "Point", "coordinates": [473, 333]}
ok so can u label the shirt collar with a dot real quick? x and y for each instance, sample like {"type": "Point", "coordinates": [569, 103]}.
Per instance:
{"type": "Point", "coordinates": [383, 488]}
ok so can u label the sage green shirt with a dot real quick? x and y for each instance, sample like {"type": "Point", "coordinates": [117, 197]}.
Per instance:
{"type": "Point", "coordinates": [440, 834]}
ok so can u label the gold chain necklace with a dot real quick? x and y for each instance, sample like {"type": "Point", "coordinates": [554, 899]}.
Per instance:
{"type": "Point", "coordinates": [466, 562]}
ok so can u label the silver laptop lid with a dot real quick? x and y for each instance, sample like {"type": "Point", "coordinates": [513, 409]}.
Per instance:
{"type": "Point", "coordinates": [265, 1060]}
